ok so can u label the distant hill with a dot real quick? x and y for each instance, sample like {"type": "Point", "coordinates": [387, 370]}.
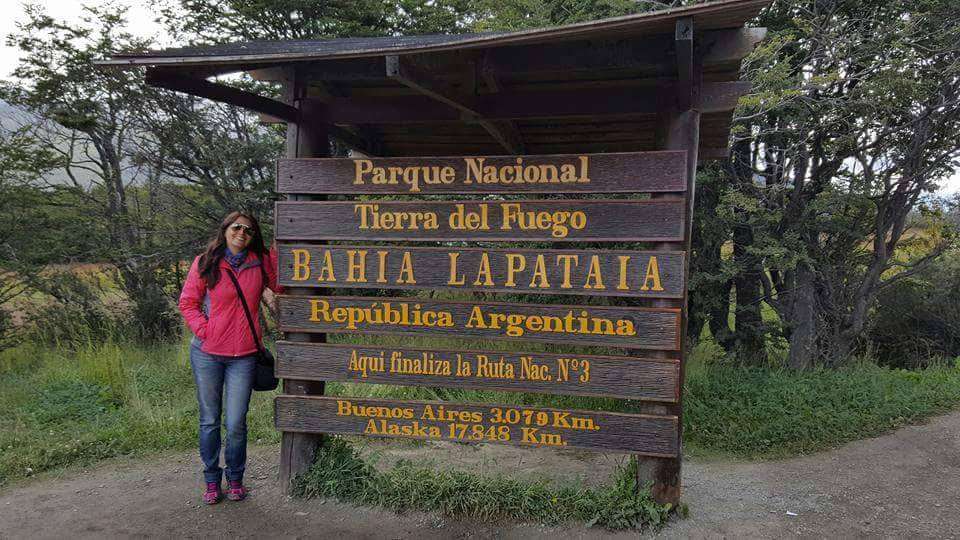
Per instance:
{"type": "Point", "coordinates": [12, 117]}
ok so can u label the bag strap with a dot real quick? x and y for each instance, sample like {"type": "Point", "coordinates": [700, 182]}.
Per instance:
{"type": "Point", "coordinates": [246, 310]}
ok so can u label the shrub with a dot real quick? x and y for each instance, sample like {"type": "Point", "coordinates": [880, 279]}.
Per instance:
{"type": "Point", "coordinates": [75, 313]}
{"type": "Point", "coordinates": [917, 320]}
{"type": "Point", "coordinates": [341, 472]}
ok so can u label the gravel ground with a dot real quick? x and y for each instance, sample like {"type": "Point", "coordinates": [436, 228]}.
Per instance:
{"type": "Point", "coordinates": [904, 484]}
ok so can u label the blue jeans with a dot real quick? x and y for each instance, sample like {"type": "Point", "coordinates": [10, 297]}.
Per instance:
{"type": "Point", "coordinates": [213, 374]}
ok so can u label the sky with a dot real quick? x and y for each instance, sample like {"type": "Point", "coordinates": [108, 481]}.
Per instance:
{"type": "Point", "coordinates": [141, 23]}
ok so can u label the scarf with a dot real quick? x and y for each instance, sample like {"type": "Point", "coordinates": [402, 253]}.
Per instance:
{"type": "Point", "coordinates": [234, 260]}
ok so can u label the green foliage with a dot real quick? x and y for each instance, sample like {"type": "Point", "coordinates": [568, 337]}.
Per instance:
{"type": "Point", "coordinates": [510, 15]}
{"type": "Point", "coordinates": [917, 320]}
{"type": "Point", "coordinates": [70, 401]}
{"type": "Point", "coordinates": [850, 127]}
{"type": "Point", "coordinates": [215, 21]}
{"type": "Point", "coordinates": [757, 412]}
{"type": "Point", "coordinates": [74, 314]}
{"type": "Point", "coordinates": [340, 472]}
{"type": "Point", "coordinates": [62, 407]}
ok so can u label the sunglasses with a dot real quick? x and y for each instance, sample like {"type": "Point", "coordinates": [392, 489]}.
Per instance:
{"type": "Point", "coordinates": [237, 227]}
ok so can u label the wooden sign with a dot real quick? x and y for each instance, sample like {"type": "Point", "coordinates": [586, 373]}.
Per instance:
{"type": "Point", "coordinates": [469, 422]}
{"type": "Point", "coordinates": [545, 373]}
{"type": "Point", "coordinates": [660, 220]}
{"type": "Point", "coordinates": [636, 328]}
{"type": "Point", "coordinates": [572, 173]}
{"type": "Point", "coordinates": [654, 274]}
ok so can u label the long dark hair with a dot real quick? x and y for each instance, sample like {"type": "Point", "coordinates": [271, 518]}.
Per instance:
{"type": "Point", "coordinates": [209, 264]}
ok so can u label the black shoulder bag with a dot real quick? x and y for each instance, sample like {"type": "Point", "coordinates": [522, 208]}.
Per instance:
{"type": "Point", "coordinates": [263, 380]}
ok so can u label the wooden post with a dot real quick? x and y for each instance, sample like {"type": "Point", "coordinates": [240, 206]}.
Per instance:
{"type": "Point", "coordinates": [306, 138]}
{"type": "Point", "coordinates": [678, 129]}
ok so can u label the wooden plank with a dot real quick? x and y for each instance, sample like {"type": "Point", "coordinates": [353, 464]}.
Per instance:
{"type": "Point", "coordinates": [606, 326]}
{"type": "Point", "coordinates": [514, 105]}
{"type": "Point", "coordinates": [474, 422]}
{"type": "Point", "coordinates": [717, 15]}
{"type": "Point", "coordinates": [565, 173]}
{"type": "Point", "coordinates": [306, 139]}
{"type": "Point", "coordinates": [402, 70]}
{"type": "Point", "coordinates": [720, 46]}
{"type": "Point", "coordinates": [171, 80]}
{"type": "Point", "coordinates": [580, 272]}
{"type": "Point", "coordinates": [684, 56]}
{"type": "Point", "coordinates": [556, 220]}
{"type": "Point", "coordinates": [544, 373]}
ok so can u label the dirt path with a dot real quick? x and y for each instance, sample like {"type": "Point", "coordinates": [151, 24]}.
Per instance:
{"type": "Point", "coordinates": [903, 484]}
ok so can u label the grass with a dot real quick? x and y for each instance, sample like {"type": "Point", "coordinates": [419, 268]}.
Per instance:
{"type": "Point", "coordinates": [775, 413]}
{"type": "Point", "coordinates": [341, 473]}
{"type": "Point", "coordinates": [61, 407]}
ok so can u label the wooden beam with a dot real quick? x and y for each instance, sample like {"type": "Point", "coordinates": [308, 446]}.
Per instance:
{"type": "Point", "coordinates": [352, 140]}
{"type": "Point", "coordinates": [304, 139]}
{"type": "Point", "coordinates": [715, 97]}
{"type": "Point", "coordinates": [222, 93]}
{"type": "Point", "coordinates": [729, 45]}
{"type": "Point", "coordinates": [683, 39]}
{"type": "Point", "coordinates": [505, 128]}
{"type": "Point", "coordinates": [271, 111]}
{"type": "Point", "coordinates": [716, 47]}
{"type": "Point", "coordinates": [708, 154]}
{"type": "Point", "coordinates": [406, 72]}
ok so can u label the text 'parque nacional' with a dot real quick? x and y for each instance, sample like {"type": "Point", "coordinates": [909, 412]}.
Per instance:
{"type": "Point", "coordinates": [563, 173]}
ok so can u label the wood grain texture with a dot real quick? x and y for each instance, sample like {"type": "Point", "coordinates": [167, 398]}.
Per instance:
{"type": "Point", "coordinates": [606, 173]}
{"type": "Point", "coordinates": [652, 328]}
{"type": "Point", "coordinates": [471, 422]}
{"type": "Point", "coordinates": [543, 373]}
{"type": "Point", "coordinates": [545, 271]}
{"type": "Point", "coordinates": [602, 221]}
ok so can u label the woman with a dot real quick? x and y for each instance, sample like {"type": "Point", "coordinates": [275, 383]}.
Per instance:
{"type": "Point", "coordinates": [222, 351]}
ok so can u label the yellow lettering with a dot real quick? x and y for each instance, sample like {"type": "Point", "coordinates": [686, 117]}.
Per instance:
{"type": "Point", "coordinates": [301, 264]}
{"type": "Point", "coordinates": [326, 270]}
{"type": "Point", "coordinates": [356, 270]}
{"type": "Point", "coordinates": [382, 271]}
{"type": "Point", "coordinates": [651, 282]}
{"type": "Point", "coordinates": [361, 167]}
{"type": "Point", "coordinates": [515, 263]}
{"type": "Point", "coordinates": [565, 260]}
{"type": "Point", "coordinates": [594, 274]}
{"type": "Point", "coordinates": [539, 272]}
{"type": "Point", "coordinates": [622, 285]}
{"type": "Point", "coordinates": [456, 279]}
{"type": "Point", "coordinates": [406, 270]}
{"type": "Point", "coordinates": [318, 308]}
{"type": "Point", "coordinates": [484, 275]}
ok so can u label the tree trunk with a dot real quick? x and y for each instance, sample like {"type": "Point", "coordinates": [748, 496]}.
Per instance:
{"type": "Point", "coordinates": [748, 338]}
{"type": "Point", "coordinates": [803, 323]}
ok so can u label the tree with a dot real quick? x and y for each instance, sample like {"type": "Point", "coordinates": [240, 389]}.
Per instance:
{"type": "Point", "coordinates": [853, 126]}
{"type": "Point", "coordinates": [85, 120]}
{"type": "Point", "coordinates": [219, 21]}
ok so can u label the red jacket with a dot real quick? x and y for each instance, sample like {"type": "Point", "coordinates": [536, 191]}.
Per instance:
{"type": "Point", "coordinates": [215, 316]}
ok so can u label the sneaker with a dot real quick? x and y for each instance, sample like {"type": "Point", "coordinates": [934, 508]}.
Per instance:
{"type": "Point", "coordinates": [212, 494]}
{"type": "Point", "coordinates": [236, 491]}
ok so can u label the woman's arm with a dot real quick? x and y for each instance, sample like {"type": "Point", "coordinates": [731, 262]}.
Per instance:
{"type": "Point", "coordinates": [271, 268]}
{"type": "Point", "coordinates": [191, 301]}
